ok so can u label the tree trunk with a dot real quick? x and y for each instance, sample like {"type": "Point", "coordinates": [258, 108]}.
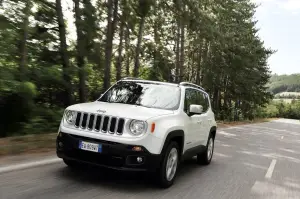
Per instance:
{"type": "Point", "coordinates": [119, 61]}
{"type": "Point", "coordinates": [177, 64]}
{"type": "Point", "coordinates": [23, 43]}
{"type": "Point", "coordinates": [182, 35]}
{"type": "Point", "coordinates": [157, 46]}
{"type": "Point", "coordinates": [80, 52]}
{"type": "Point", "coordinates": [138, 48]}
{"type": "Point", "coordinates": [115, 16]}
{"type": "Point", "coordinates": [127, 40]}
{"type": "Point", "coordinates": [200, 54]}
{"type": "Point", "coordinates": [215, 98]}
{"type": "Point", "coordinates": [64, 53]}
{"type": "Point", "coordinates": [112, 10]}
{"type": "Point", "coordinates": [205, 58]}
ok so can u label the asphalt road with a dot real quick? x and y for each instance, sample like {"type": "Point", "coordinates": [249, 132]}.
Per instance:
{"type": "Point", "coordinates": [250, 161]}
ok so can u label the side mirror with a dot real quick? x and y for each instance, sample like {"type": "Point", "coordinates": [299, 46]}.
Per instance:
{"type": "Point", "coordinates": [195, 109]}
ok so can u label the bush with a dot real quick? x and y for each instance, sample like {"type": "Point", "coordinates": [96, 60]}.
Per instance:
{"type": "Point", "coordinates": [280, 109]}
{"type": "Point", "coordinates": [20, 115]}
{"type": "Point", "coordinates": [16, 108]}
{"type": "Point", "coordinates": [45, 120]}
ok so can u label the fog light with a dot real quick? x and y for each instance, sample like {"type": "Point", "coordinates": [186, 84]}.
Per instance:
{"type": "Point", "coordinates": [137, 148]}
{"type": "Point", "coordinates": [139, 159]}
{"type": "Point", "coordinates": [60, 144]}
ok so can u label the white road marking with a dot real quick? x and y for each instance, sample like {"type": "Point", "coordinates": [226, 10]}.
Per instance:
{"type": "Point", "coordinates": [279, 130]}
{"type": "Point", "coordinates": [28, 165]}
{"type": "Point", "coordinates": [226, 134]}
{"type": "Point", "coordinates": [282, 137]}
{"type": "Point", "coordinates": [271, 169]}
{"type": "Point", "coordinates": [268, 190]}
{"type": "Point", "coordinates": [288, 121]}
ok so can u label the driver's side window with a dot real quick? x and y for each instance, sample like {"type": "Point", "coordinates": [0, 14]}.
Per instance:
{"type": "Point", "coordinates": [190, 98]}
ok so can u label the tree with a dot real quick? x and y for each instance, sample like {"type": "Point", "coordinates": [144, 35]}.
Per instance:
{"type": "Point", "coordinates": [121, 38]}
{"type": "Point", "coordinates": [80, 51]}
{"type": "Point", "coordinates": [64, 53]}
{"type": "Point", "coordinates": [143, 9]}
{"type": "Point", "coordinates": [112, 11]}
{"type": "Point", "coordinates": [23, 42]}
{"type": "Point", "coordinates": [212, 43]}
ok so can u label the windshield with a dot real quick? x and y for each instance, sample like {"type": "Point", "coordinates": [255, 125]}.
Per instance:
{"type": "Point", "coordinates": [143, 94]}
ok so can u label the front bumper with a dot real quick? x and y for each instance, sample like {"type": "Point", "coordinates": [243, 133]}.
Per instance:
{"type": "Point", "coordinates": [114, 155]}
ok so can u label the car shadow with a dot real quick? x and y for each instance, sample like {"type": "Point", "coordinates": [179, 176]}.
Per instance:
{"type": "Point", "coordinates": [126, 181]}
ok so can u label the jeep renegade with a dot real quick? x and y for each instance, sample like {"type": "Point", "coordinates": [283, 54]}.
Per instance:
{"type": "Point", "coordinates": [140, 125]}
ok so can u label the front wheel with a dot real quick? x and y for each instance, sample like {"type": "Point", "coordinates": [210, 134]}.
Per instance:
{"type": "Point", "coordinates": [206, 156]}
{"type": "Point", "coordinates": [168, 169]}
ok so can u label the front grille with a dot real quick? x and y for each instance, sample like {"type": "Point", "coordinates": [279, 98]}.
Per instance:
{"type": "Point", "coordinates": [100, 123]}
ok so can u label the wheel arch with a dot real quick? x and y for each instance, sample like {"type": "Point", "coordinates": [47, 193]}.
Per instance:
{"type": "Point", "coordinates": [213, 131]}
{"type": "Point", "coordinates": [177, 136]}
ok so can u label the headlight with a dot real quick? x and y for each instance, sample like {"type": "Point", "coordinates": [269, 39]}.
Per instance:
{"type": "Point", "coordinates": [137, 127]}
{"type": "Point", "coordinates": [70, 116]}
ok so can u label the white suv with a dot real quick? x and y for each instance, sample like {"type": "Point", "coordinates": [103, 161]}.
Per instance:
{"type": "Point", "coordinates": [140, 125]}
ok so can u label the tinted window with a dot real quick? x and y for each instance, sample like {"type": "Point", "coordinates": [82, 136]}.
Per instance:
{"type": "Point", "coordinates": [144, 94]}
{"type": "Point", "coordinates": [197, 97]}
{"type": "Point", "coordinates": [190, 98]}
{"type": "Point", "coordinates": [203, 100]}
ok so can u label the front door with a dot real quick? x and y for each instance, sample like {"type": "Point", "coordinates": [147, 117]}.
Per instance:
{"type": "Point", "coordinates": [193, 122]}
{"type": "Point", "coordinates": [203, 125]}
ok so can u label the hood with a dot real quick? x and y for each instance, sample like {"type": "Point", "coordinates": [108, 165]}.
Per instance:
{"type": "Point", "coordinates": [120, 110]}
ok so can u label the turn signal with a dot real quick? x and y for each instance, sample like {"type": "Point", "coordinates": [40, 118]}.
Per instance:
{"type": "Point", "coordinates": [137, 148]}
{"type": "Point", "coordinates": [152, 127]}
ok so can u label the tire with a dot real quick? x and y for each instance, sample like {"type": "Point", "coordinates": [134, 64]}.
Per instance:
{"type": "Point", "coordinates": [206, 157]}
{"type": "Point", "coordinates": [166, 179]}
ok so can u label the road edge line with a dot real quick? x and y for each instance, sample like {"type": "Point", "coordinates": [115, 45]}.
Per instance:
{"type": "Point", "coordinates": [16, 167]}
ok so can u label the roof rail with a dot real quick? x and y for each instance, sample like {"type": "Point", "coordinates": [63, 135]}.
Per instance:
{"type": "Point", "coordinates": [191, 85]}
{"type": "Point", "coordinates": [131, 78]}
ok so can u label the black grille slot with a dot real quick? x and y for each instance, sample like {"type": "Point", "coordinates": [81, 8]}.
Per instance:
{"type": "Point", "coordinates": [84, 120]}
{"type": "Point", "coordinates": [105, 123]}
{"type": "Point", "coordinates": [120, 126]}
{"type": "Point", "coordinates": [102, 123]}
{"type": "Point", "coordinates": [98, 123]}
{"type": "Point", "coordinates": [91, 122]}
{"type": "Point", "coordinates": [77, 119]}
{"type": "Point", "coordinates": [113, 124]}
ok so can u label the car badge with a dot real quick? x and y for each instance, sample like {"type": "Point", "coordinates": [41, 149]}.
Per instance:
{"type": "Point", "coordinates": [101, 111]}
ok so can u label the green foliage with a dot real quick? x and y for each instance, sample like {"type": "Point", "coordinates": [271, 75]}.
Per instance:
{"type": "Point", "coordinates": [280, 109]}
{"type": "Point", "coordinates": [17, 108]}
{"type": "Point", "coordinates": [27, 90]}
{"type": "Point", "coordinates": [45, 120]}
{"type": "Point", "coordinates": [212, 43]}
{"type": "Point", "coordinates": [284, 83]}
{"type": "Point", "coordinates": [144, 7]}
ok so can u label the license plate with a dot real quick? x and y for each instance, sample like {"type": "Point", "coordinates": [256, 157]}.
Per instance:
{"type": "Point", "coordinates": [87, 146]}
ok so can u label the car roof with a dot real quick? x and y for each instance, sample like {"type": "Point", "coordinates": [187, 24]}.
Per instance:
{"type": "Point", "coordinates": [149, 81]}
{"type": "Point", "coordinates": [183, 84]}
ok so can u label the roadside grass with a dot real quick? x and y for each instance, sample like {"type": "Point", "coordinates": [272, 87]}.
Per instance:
{"type": "Point", "coordinates": [41, 143]}
{"type": "Point", "coordinates": [37, 143]}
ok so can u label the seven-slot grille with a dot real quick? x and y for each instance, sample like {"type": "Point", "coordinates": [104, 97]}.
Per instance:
{"type": "Point", "coordinates": [100, 123]}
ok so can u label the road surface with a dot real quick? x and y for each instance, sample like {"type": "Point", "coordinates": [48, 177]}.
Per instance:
{"type": "Point", "coordinates": [250, 161]}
